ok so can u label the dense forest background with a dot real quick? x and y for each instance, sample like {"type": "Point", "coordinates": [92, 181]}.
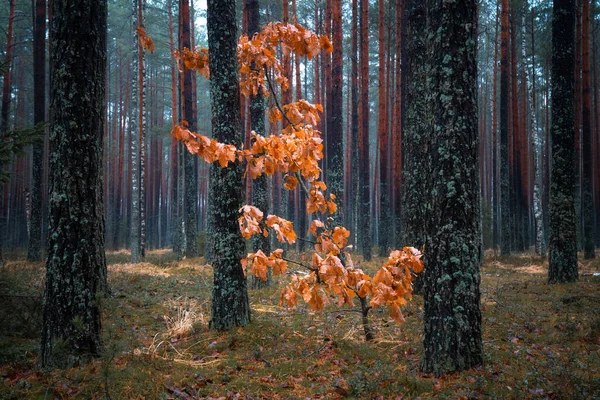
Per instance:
{"type": "Point", "coordinates": [389, 159]}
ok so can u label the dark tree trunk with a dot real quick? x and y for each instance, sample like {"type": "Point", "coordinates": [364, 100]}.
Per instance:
{"type": "Point", "coordinates": [587, 199]}
{"type": "Point", "coordinates": [385, 221]}
{"type": "Point", "coordinates": [452, 319]}
{"type": "Point", "coordinates": [415, 150]}
{"type": "Point", "coordinates": [505, 215]}
{"type": "Point", "coordinates": [191, 186]}
{"type": "Point", "coordinates": [76, 264]}
{"type": "Point", "coordinates": [563, 238]}
{"type": "Point", "coordinates": [230, 305]}
{"type": "Point", "coordinates": [335, 132]}
{"type": "Point", "coordinates": [34, 252]}
{"type": "Point", "coordinates": [364, 202]}
{"type": "Point", "coordinates": [260, 194]}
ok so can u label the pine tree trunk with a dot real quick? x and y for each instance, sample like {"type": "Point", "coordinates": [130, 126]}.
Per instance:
{"type": "Point", "coordinates": [134, 123]}
{"type": "Point", "coordinates": [563, 238]}
{"type": "Point", "coordinates": [191, 185]}
{"type": "Point", "coordinates": [230, 306]}
{"type": "Point", "coordinates": [505, 216]}
{"type": "Point", "coordinates": [385, 221]}
{"type": "Point", "coordinates": [76, 264]}
{"type": "Point", "coordinates": [353, 191]}
{"type": "Point", "coordinates": [452, 320]}
{"type": "Point", "coordinates": [536, 139]}
{"type": "Point", "coordinates": [587, 199]}
{"type": "Point", "coordinates": [364, 203]}
{"type": "Point", "coordinates": [142, 135]}
{"type": "Point", "coordinates": [260, 194]}
{"type": "Point", "coordinates": [398, 124]}
{"type": "Point", "coordinates": [34, 252]}
{"type": "Point", "coordinates": [335, 133]}
{"type": "Point", "coordinates": [415, 151]}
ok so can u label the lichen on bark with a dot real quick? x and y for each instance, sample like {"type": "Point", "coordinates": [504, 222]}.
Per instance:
{"type": "Point", "coordinates": [230, 305]}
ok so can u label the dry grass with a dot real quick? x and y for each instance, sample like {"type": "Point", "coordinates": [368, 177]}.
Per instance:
{"type": "Point", "coordinates": [540, 342]}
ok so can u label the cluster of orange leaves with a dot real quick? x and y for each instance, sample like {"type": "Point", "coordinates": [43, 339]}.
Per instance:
{"type": "Point", "coordinates": [296, 153]}
{"type": "Point", "coordinates": [258, 54]}
{"type": "Point", "coordinates": [145, 40]}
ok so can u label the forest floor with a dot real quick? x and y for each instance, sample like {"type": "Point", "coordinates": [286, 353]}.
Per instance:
{"type": "Point", "coordinates": [540, 341]}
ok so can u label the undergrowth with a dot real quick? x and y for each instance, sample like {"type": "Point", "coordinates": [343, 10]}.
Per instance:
{"type": "Point", "coordinates": [540, 340]}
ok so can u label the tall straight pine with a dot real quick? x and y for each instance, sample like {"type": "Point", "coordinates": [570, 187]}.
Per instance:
{"type": "Point", "coordinates": [76, 264]}
{"type": "Point", "coordinates": [230, 305]}
{"type": "Point", "coordinates": [452, 320]}
{"type": "Point", "coordinates": [563, 225]}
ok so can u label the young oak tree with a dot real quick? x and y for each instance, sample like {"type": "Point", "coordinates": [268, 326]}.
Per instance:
{"type": "Point", "coordinates": [296, 153]}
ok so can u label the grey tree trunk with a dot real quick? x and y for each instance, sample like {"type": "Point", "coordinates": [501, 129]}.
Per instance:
{"type": "Point", "coordinates": [76, 264]}
{"type": "Point", "coordinates": [34, 252]}
{"type": "Point", "coordinates": [260, 194]}
{"type": "Point", "coordinates": [230, 305]}
{"type": "Point", "coordinates": [415, 150]}
{"type": "Point", "coordinates": [452, 320]}
{"type": "Point", "coordinates": [563, 224]}
{"type": "Point", "coordinates": [187, 101]}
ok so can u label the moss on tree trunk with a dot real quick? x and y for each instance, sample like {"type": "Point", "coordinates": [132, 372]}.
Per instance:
{"type": "Point", "coordinates": [76, 264]}
{"type": "Point", "coordinates": [230, 305]}
{"type": "Point", "coordinates": [452, 320]}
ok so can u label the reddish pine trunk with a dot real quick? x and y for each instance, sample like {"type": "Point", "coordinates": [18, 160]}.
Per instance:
{"type": "Point", "coordinates": [364, 213]}
{"type": "Point", "coordinates": [397, 118]}
{"type": "Point", "coordinates": [6, 89]}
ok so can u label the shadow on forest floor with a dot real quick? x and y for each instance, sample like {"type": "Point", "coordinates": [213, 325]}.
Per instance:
{"type": "Point", "coordinates": [540, 341]}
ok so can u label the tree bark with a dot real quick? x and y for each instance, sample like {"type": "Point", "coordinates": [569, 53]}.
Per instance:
{"type": "Point", "coordinates": [452, 320]}
{"type": "Point", "coordinates": [76, 264]}
{"type": "Point", "coordinates": [260, 194]}
{"type": "Point", "coordinates": [587, 143]}
{"type": "Point", "coordinates": [191, 188]}
{"type": "Point", "coordinates": [385, 221]}
{"type": "Point", "coordinates": [230, 305]}
{"type": "Point", "coordinates": [504, 225]}
{"type": "Point", "coordinates": [34, 252]}
{"type": "Point", "coordinates": [364, 203]}
{"type": "Point", "coordinates": [563, 238]}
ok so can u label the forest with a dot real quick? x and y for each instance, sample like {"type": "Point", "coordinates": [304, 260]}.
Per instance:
{"type": "Point", "coordinates": [314, 199]}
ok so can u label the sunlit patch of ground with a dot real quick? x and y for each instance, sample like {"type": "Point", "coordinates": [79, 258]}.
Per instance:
{"type": "Point", "coordinates": [540, 341]}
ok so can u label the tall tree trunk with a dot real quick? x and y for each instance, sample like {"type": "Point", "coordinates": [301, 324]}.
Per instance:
{"type": "Point", "coordinates": [587, 200]}
{"type": "Point", "coordinates": [398, 123]}
{"type": "Point", "coordinates": [385, 221]}
{"type": "Point", "coordinates": [260, 194]}
{"type": "Point", "coordinates": [353, 190]}
{"type": "Point", "coordinates": [230, 305]}
{"type": "Point", "coordinates": [364, 203]}
{"type": "Point", "coordinates": [563, 238]}
{"type": "Point", "coordinates": [335, 132]}
{"type": "Point", "coordinates": [504, 220]}
{"type": "Point", "coordinates": [176, 227]}
{"type": "Point", "coordinates": [415, 151]}
{"type": "Point", "coordinates": [135, 126]}
{"type": "Point", "coordinates": [34, 252]}
{"type": "Point", "coordinates": [536, 139]}
{"type": "Point", "coordinates": [142, 133]}
{"type": "Point", "coordinates": [494, 175]}
{"type": "Point", "coordinates": [452, 319]}
{"type": "Point", "coordinates": [191, 186]}
{"type": "Point", "coordinates": [76, 264]}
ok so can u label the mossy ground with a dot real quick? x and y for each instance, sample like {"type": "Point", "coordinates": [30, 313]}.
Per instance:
{"type": "Point", "coordinates": [540, 340]}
